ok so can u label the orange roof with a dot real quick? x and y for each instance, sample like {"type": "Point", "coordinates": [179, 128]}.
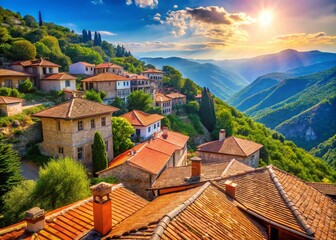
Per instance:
{"type": "Point", "coordinates": [286, 200]}
{"type": "Point", "coordinates": [200, 213]}
{"type": "Point", "coordinates": [175, 95]}
{"type": "Point", "coordinates": [159, 97]}
{"type": "Point", "coordinates": [59, 76]}
{"type": "Point", "coordinates": [10, 73]}
{"type": "Point", "coordinates": [142, 119]}
{"type": "Point", "coordinates": [135, 77]}
{"type": "Point", "coordinates": [152, 71]}
{"type": "Point", "coordinates": [8, 100]}
{"type": "Point", "coordinates": [198, 95]}
{"type": "Point", "coordinates": [76, 220]}
{"type": "Point", "coordinates": [76, 108]}
{"type": "Point", "coordinates": [325, 188]}
{"type": "Point", "coordinates": [108, 65]}
{"type": "Point", "coordinates": [87, 64]}
{"type": "Point", "coordinates": [175, 138]}
{"type": "Point", "coordinates": [106, 77]}
{"type": "Point", "coordinates": [231, 146]}
{"type": "Point", "coordinates": [39, 62]}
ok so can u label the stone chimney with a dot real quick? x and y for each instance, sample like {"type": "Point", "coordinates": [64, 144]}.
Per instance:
{"type": "Point", "coordinates": [195, 168]}
{"type": "Point", "coordinates": [230, 188]}
{"type": "Point", "coordinates": [35, 219]}
{"type": "Point", "coordinates": [102, 208]}
{"type": "Point", "coordinates": [222, 134]}
{"type": "Point", "coordinates": [165, 132]}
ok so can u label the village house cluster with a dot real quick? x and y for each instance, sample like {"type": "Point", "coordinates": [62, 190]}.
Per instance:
{"type": "Point", "coordinates": [221, 193]}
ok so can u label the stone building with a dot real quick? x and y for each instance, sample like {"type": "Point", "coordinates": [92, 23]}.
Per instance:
{"type": "Point", "coordinates": [10, 106]}
{"type": "Point", "coordinates": [156, 77]}
{"type": "Point", "coordinates": [142, 83]}
{"type": "Point", "coordinates": [108, 68]}
{"type": "Point", "coordinates": [228, 148]}
{"type": "Point", "coordinates": [69, 128]}
{"type": "Point", "coordinates": [177, 98]}
{"type": "Point", "coordinates": [138, 168]}
{"type": "Point", "coordinates": [165, 103]}
{"type": "Point", "coordinates": [12, 79]}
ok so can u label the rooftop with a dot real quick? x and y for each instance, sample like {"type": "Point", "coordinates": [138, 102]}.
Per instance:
{"type": "Point", "coordinates": [108, 65]}
{"type": "Point", "coordinates": [231, 146]}
{"type": "Point", "coordinates": [325, 188]}
{"type": "Point", "coordinates": [76, 108]}
{"type": "Point", "coordinates": [38, 62]}
{"type": "Point", "coordinates": [152, 71]}
{"type": "Point", "coordinates": [135, 77]}
{"type": "Point", "coordinates": [75, 221]}
{"type": "Point", "coordinates": [59, 76]}
{"type": "Point", "coordinates": [142, 119]}
{"type": "Point", "coordinates": [10, 73]}
{"type": "Point", "coordinates": [159, 97]}
{"type": "Point", "coordinates": [86, 64]}
{"type": "Point", "coordinates": [8, 100]}
{"type": "Point", "coordinates": [175, 95]}
{"type": "Point", "coordinates": [106, 77]}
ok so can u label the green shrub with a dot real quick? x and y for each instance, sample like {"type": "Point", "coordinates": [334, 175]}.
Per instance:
{"type": "Point", "coordinates": [26, 86]}
{"type": "Point", "coordinates": [97, 180]}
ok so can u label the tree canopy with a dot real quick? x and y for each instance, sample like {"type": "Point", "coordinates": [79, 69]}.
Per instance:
{"type": "Point", "coordinates": [207, 111]}
{"type": "Point", "coordinates": [23, 49]}
{"type": "Point", "coordinates": [99, 156]}
{"type": "Point", "coordinates": [122, 131]}
{"type": "Point", "coordinates": [139, 100]}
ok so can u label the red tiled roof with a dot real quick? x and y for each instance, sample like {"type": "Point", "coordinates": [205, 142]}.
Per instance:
{"type": "Point", "coordinates": [76, 220]}
{"type": "Point", "coordinates": [106, 77]}
{"type": "Point", "coordinates": [231, 146]}
{"type": "Point", "coordinates": [87, 64]}
{"type": "Point", "coordinates": [325, 188]}
{"type": "Point", "coordinates": [108, 65]}
{"type": "Point", "coordinates": [286, 200]}
{"type": "Point", "coordinates": [175, 95]}
{"type": "Point", "coordinates": [39, 62]}
{"type": "Point", "coordinates": [10, 73]}
{"type": "Point", "coordinates": [152, 71]}
{"type": "Point", "coordinates": [159, 97]}
{"type": "Point", "coordinates": [8, 100]}
{"type": "Point", "coordinates": [199, 213]}
{"type": "Point", "coordinates": [59, 76]}
{"type": "Point", "coordinates": [142, 119]}
{"type": "Point", "coordinates": [135, 77]}
{"type": "Point", "coordinates": [76, 108]}
{"type": "Point", "coordinates": [175, 138]}
{"type": "Point", "coordinates": [198, 95]}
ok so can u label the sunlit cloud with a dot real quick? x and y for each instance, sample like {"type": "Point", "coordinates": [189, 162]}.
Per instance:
{"type": "Point", "coordinates": [175, 6]}
{"type": "Point", "coordinates": [305, 38]}
{"type": "Point", "coordinates": [144, 3]}
{"type": "Point", "coordinates": [157, 18]}
{"type": "Point", "coordinates": [97, 2]}
{"type": "Point", "coordinates": [107, 33]}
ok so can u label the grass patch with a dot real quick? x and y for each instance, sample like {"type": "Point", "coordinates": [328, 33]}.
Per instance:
{"type": "Point", "coordinates": [179, 125]}
{"type": "Point", "coordinates": [196, 122]}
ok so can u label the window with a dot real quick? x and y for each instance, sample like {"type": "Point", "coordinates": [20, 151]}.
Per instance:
{"type": "Point", "coordinates": [93, 124]}
{"type": "Point", "coordinates": [106, 145]}
{"type": "Point", "coordinates": [154, 125]}
{"type": "Point", "coordinates": [80, 153]}
{"type": "Point", "coordinates": [67, 83]}
{"type": "Point", "coordinates": [91, 69]}
{"type": "Point", "coordinates": [103, 121]}
{"type": "Point", "coordinates": [58, 126]}
{"type": "Point", "coordinates": [149, 129]}
{"type": "Point", "coordinates": [8, 83]}
{"type": "Point", "coordinates": [50, 70]}
{"type": "Point", "coordinates": [60, 150]}
{"type": "Point", "coordinates": [44, 70]}
{"type": "Point", "coordinates": [86, 69]}
{"type": "Point", "coordinates": [158, 124]}
{"type": "Point", "coordinates": [80, 125]}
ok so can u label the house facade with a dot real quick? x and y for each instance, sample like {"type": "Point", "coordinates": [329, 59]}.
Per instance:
{"type": "Point", "coordinates": [82, 68]}
{"type": "Point", "coordinates": [112, 84]}
{"type": "Point", "coordinates": [69, 128]}
{"type": "Point", "coordinates": [145, 124]}
{"type": "Point", "coordinates": [57, 82]}
{"type": "Point", "coordinates": [10, 106]}
{"type": "Point", "coordinates": [108, 68]}
{"type": "Point", "coordinates": [142, 83]}
{"type": "Point", "coordinates": [165, 103]}
{"type": "Point", "coordinates": [155, 76]}
{"type": "Point", "coordinates": [12, 79]}
{"type": "Point", "coordinates": [177, 98]}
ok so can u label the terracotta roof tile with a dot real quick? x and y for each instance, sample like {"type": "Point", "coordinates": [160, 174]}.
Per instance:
{"type": "Point", "coordinates": [105, 77]}
{"type": "Point", "coordinates": [325, 188]}
{"type": "Point", "coordinates": [10, 73]}
{"type": "Point", "coordinates": [152, 71]}
{"type": "Point", "coordinates": [175, 95]}
{"type": "Point", "coordinates": [134, 77]}
{"type": "Point", "coordinates": [231, 146]}
{"type": "Point", "coordinates": [175, 138]}
{"type": "Point", "coordinates": [108, 65]}
{"type": "Point", "coordinates": [139, 118]}
{"type": "Point", "coordinates": [76, 108]}
{"type": "Point", "coordinates": [59, 76]}
{"type": "Point", "coordinates": [76, 220]}
{"type": "Point", "coordinates": [198, 95]}
{"type": "Point", "coordinates": [38, 62]}
{"type": "Point", "coordinates": [8, 100]}
{"type": "Point", "coordinates": [87, 64]}
{"type": "Point", "coordinates": [159, 97]}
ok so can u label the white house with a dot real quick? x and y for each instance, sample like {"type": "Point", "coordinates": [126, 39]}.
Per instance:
{"type": "Point", "coordinates": [82, 68]}
{"type": "Point", "coordinates": [145, 124]}
{"type": "Point", "coordinates": [58, 81]}
{"type": "Point", "coordinates": [155, 76]}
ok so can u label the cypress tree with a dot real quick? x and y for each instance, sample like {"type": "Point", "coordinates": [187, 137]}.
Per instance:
{"type": "Point", "coordinates": [95, 39]}
{"type": "Point", "coordinates": [99, 157]}
{"type": "Point", "coordinates": [40, 19]}
{"type": "Point", "coordinates": [89, 36]}
{"type": "Point", "coordinates": [85, 36]}
{"type": "Point", "coordinates": [207, 110]}
{"type": "Point", "coordinates": [99, 40]}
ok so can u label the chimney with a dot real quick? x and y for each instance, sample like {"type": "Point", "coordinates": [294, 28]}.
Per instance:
{"type": "Point", "coordinates": [102, 208]}
{"type": "Point", "coordinates": [195, 168]}
{"type": "Point", "coordinates": [230, 188]}
{"type": "Point", "coordinates": [222, 134]}
{"type": "Point", "coordinates": [35, 219]}
{"type": "Point", "coordinates": [165, 132]}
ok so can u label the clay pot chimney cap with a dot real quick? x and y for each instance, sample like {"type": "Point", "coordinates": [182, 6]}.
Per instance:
{"type": "Point", "coordinates": [196, 159]}
{"type": "Point", "coordinates": [34, 213]}
{"type": "Point", "coordinates": [101, 189]}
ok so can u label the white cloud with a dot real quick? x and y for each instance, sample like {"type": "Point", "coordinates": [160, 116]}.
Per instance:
{"type": "Point", "coordinates": [175, 6]}
{"type": "Point", "coordinates": [157, 18]}
{"type": "Point", "coordinates": [144, 3]}
{"type": "Point", "coordinates": [305, 38]}
{"type": "Point", "coordinates": [97, 2]}
{"type": "Point", "coordinates": [107, 33]}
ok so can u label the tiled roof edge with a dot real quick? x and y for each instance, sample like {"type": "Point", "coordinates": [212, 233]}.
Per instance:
{"type": "Point", "coordinates": [227, 167]}
{"type": "Point", "coordinates": [164, 222]}
{"type": "Point", "coordinates": [239, 146]}
{"type": "Point", "coordinates": [138, 117]}
{"type": "Point", "coordinates": [289, 202]}
{"type": "Point", "coordinates": [16, 227]}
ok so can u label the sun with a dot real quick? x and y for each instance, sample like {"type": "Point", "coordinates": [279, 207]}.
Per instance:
{"type": "Point", "coordinates": [265, 18]}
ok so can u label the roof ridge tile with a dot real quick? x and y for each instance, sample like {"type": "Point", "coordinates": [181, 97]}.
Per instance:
{"type": "Point", "coordinates": [289, 202]}
{"type": "Point", "coordinates": [70, 108]}
{"type": "Point", "coordinates": [134, 111]}
{"type": "Point", "coordinates": [227, 167]}
{"type": "Point", "coordinates": [239, 145]}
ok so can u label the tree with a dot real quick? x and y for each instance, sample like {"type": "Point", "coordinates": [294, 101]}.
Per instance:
{"type": "Point", "coordinates": [26, 86]}
{"type": "Point", "coordinates": [93, 95]}
{"type": "Point", "coordinates": [61, 182]}
{"type": "Point", "coordinates": [173, 77]}
{"type": "Point", "coordinates": [108, 49]}
{"type": "Point", "coordinates": [189, 89]}
{"type": "Point", "coordinates": [9, 169]}
{"type": "Point", "coordinates": [138, 100]}
{"type": "Point", "coordinates": [40, 19]}
{"type": "Point", "coordinates": [42, 50]}
{"type": "Point", "coordinates": [207, 112]}
{"type": "Point", "coordinates": [85, 36]}
{"type": "Point", "coordinates": [52, 43]}
{"type": "Point", "coordinates": [35, 35]}
{"type": "Point", "coordinates": [23, 50]}
{"type": "Point", "coordinates": [122, 131]}
{"type": "Point", "coordinates": [99, 156]}
{"type": "Point", "coordinates": [18, 200]}
{"type": "Point", "coordinates": [224, 120]}
{"type": "Point", "coordinates": [4, 35]}
{"type": "Point", "coordinates": [79, 53]}
{"type": "Point", "coordinates": [119, 103]}
{"type": "Point", "coordinates": [95, 39]}
{"type": "Point", "coordinates": [30, 21]}
{"type": "Point", "coordinates": [89, 36]}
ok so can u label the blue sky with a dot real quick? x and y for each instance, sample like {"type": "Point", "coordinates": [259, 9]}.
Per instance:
{"type": "Point", "coordinates": [218, 29]}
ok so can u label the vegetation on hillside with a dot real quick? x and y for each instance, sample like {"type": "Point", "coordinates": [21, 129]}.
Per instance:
{"type": "Point", "coordinates": [327, 151]}
{"type": "Point", "coordinates": [122, 131]}
{"type": "Point", "coordinates": [99, 156]}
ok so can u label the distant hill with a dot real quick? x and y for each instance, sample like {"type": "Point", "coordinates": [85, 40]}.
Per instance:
{"type": "Point", "coordinates": [260, 84]}
{"type": "Point", "coordinates": [301, 71]}
{"type": "Point", "coordinates": [251, 68]}
{"type": "Point", "coordinates": [313, 126]}
{"type": "Point", "coordinates": [222, 82]}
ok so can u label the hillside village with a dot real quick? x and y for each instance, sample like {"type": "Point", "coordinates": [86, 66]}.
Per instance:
{"type": "Point", "coordinates": [155, 173]}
